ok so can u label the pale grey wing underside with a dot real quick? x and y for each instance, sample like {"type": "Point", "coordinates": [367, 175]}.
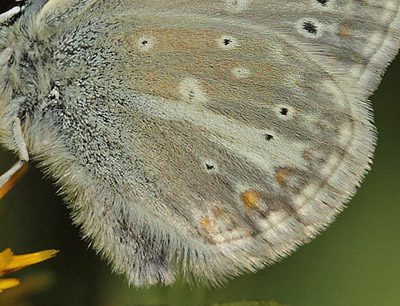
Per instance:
{"type": "Point", "coordinates": [219, 134]}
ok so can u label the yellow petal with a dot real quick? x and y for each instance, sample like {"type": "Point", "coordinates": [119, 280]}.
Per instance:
{"type": "Point", "coordinates": [5, 259]}
{"type": "Point", "coordinates": [21, 261]}
{"type": "Point", "coordinates": [8, 283]}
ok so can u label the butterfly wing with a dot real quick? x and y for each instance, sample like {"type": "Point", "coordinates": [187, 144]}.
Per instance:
{"type": "Point", "coordinates": [213, 135]}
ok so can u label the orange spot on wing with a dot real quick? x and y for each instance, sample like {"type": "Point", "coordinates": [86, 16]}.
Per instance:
{"type": "Point", "coordinates": [206, 224]}
{"type": "Point", "coordinates": [251, 199]}
{"type": "Point", "coordinates": [345, 30]}
{"type": "Point", "coordinates": [281, 174]}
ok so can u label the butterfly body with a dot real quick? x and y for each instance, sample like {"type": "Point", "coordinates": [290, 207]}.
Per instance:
{"type": "Point", "coordinates": [211, 137]}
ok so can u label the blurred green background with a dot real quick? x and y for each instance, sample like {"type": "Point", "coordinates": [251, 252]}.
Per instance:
{"type": "Point", "coordinates": [356, 261]}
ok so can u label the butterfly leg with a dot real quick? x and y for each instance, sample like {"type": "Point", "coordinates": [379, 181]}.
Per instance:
{"type": "Point", "coordinates": [23, 154]}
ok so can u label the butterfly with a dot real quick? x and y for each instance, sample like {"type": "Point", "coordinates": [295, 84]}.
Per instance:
{"type": "Point", "coordinates": [207, 138]}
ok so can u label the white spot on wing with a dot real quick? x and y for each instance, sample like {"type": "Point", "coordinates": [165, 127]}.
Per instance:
{"type": "Point", "coordinates": [301, 24]}
{"type": "Point", "coordinates": [390, 5]}
{"type": "Point", "coordinates": [308, 193]}
{"type": "Point", "coordinates": [191, 90]}
{"type": "Point", "coordinates": [146, 43]}
{"type": "Point", "coordinates": [356, 70]}
{"type": "Point", "coordinates": [280, 227]}
{"type": "Point", "coordinates": [373, 44]}
{"type": "Point", "coordinates": [241, 72]}
{"type": "Point", "coordinates": [237, 6]}
{"type": "Point", "coordinates": [284, 112]}
{"type": "Point", "coordinates": [345, 134]}
{"type": "Point", "coordinates": [330, 165]}
{"type": "Point", "coordinates": [227, 42]}
{"type": "Point", "coordinates": [277, 217]}
{"type": "Point", "coordinates": [208, 165]}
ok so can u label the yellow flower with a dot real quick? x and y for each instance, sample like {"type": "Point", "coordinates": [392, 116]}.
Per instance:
{"type": "Point", "coordinates": [10, 263]}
